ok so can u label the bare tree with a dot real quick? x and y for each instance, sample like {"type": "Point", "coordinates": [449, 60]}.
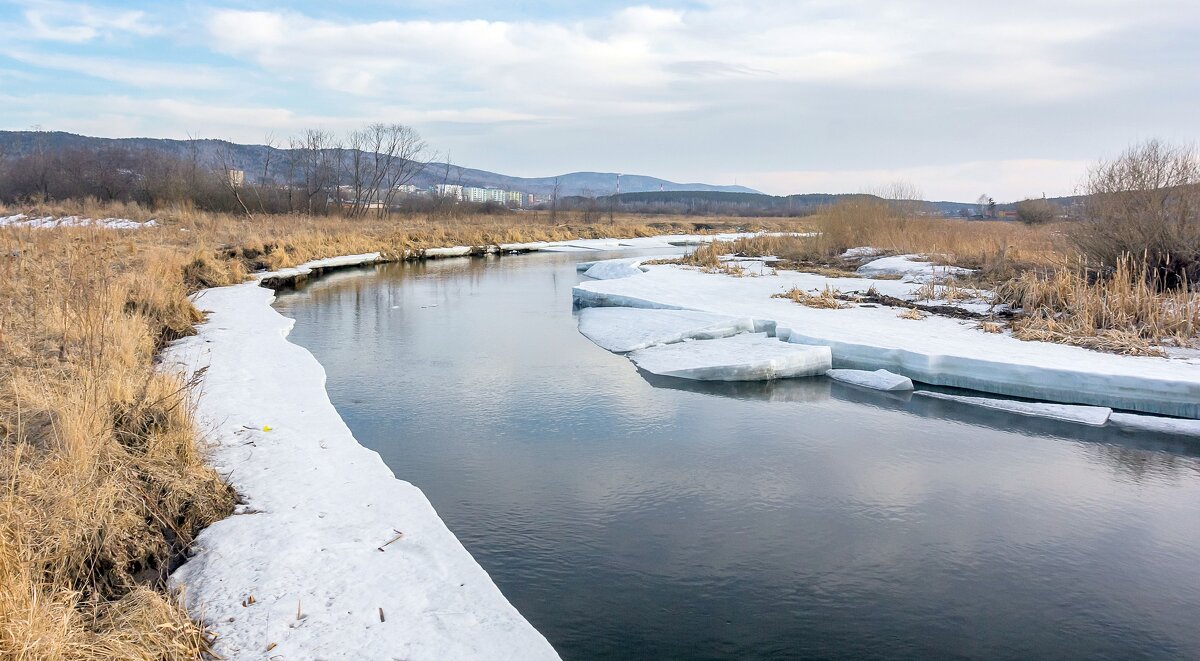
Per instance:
{"type": "Point", "coordinates": [554, 202]}
{"type": "Point", "coordinates": [232, 178]}
{"type": "Point", "coordinates": [317, 166]}
{"type": "Point", "coordinates": [1146, 203]}
{"type": "Point", "coordinates": [904, 197]}
{"type": "Point", "coordinates": [264, 180]}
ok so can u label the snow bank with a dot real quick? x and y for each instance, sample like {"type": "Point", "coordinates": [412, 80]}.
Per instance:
{"type": "Point", "coordinates": [909, 267]}
{"type": "Point", "coordinates": [628, 329]}
{"type": "Point", "coordinates": [877, 380]}
{"type": "Point", "coordinates": [1087, 415]}
{"type": "Point", "coordinates": [747, 357]}
{"type": "Point", "coordinates": [330, 556]}
{"type": "Point", "coordinates": [51, 222]}
{"type": "Point", "coordinates": [936, 350]}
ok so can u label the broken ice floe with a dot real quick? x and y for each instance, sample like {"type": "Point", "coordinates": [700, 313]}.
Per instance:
{"type": "Point", "coordinates": [746, 357]}
{"type": "Point", "coordinates": [877, 380]}
{"type": "Point", "coordinates": [628, 329]}
{"type": "Point", "coordinates": [1087, 415]}
{"type": "Point", "coordinates": [611, 269]}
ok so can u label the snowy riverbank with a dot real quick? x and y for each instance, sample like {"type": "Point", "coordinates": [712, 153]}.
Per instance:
{"type": "Point", "coordinates": [330, 556]}
{"type": "Point", "coordinates": [934, 350]}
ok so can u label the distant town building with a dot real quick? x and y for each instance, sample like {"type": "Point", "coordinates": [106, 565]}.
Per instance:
{"type": "Point", "coordinates": [407, 189]}
{"type": "Point", "coordinates": [448, 190]}
{"type": "Point", "coordinates": [515, 198]}
{"type": "Point", "coordinates": [237, 178]}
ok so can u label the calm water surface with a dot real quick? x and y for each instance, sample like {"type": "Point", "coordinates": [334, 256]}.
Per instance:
{"type": "Point", "coordinates": [633, 517]}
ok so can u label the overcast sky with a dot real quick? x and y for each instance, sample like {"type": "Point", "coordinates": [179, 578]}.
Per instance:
{"type": "Point", "coordinates": [959, 97]}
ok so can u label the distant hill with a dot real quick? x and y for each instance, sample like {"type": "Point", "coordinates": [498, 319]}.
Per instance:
{"type": "Point", "coordinates": [253, 158]}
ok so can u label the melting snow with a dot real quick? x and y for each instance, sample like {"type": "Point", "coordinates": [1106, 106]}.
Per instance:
{"type": "Point", "coordinates": [910, 268]}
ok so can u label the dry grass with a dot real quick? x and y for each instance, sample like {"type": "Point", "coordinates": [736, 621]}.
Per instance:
{"type": "Point", "coordinates": [828, 298]}
{"type": "Point", "coordinates": [913, 314]}
{"type": "Point", "coordinates": [103, 480]}
{"type": "Point", "coordinates": [1122, 312]}
{"type": "Point", "coordinates": [949, 291]}
{"type": "Point", "coordinates": [103, 483]}
{"type": "Point", "coordinates": [999, 251]}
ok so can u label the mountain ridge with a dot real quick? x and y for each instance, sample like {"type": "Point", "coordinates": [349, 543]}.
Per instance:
{"type": "Point", "coordinates": [255, 159]}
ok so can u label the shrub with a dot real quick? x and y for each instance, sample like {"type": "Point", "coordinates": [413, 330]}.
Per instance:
{"type": "Point", "coordinates": [1037, 212]}
{"type": "Point", "coordinates": [1146, 203]}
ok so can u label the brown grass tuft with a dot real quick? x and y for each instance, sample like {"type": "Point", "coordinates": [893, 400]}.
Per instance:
{"type": "Point", "coordinates": [827, 298]}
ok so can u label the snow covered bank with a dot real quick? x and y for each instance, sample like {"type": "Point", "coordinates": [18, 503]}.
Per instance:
{"type": "Point", "coordinates": [51, 222]}
{"type": "Point", "coordinates": [934, 350]}
{"type": "Point", "coordinates": [330, 556]}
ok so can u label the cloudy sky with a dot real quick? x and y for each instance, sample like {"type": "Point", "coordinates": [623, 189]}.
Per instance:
{"type": "Point", "coordinates": [959, 97]}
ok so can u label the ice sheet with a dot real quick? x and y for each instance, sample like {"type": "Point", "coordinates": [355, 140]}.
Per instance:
{"type": "Point", "coordinates": [1086, 415]}
{"type": "Point", "coordinates": [747, 357]}
{"type": "Point", "coordinates": [936, 350]}
{"type": "Point", "coordinates": [628, 329]}
{"type": "Point", "coordinates": [877, 380]}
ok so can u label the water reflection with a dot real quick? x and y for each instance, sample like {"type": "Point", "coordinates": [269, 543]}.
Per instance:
{"type": "Point", "coordinates": [632, 516]}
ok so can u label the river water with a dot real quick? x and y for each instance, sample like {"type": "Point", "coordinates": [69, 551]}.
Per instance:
{"type": "Point", "coordinates": [635, 517]}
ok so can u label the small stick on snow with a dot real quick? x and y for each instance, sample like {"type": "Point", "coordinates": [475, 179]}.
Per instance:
{"type": "Point", "coordinates": [398, 536]}
{"type": "Point", "coordinates": [381, 617]}
{"type": "Point", "coordinates": [298, 615]}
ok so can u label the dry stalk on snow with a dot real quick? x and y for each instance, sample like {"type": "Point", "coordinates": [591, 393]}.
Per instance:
{"type": "Point", "coordinates": [827, 298]}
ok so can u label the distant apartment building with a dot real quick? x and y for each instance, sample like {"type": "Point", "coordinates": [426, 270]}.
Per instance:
{"type": "Point", "coordinates": [515, 198]}
{"type": "Point", "coordinates": [448, 190]}
{"type": "Point", "coordinates": [484, 195]}
{"type": "Point", "coordinates": [237, 178]}
{"type": "Point", "coordinates": [475, 194]}
{"type": "Point", "coordinates": [407, 189]}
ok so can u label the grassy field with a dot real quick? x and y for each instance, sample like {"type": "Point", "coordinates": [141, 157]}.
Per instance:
{"type": "Point", "coordinates": [102, 463]}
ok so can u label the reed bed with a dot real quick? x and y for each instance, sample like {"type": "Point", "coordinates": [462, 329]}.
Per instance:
{"type": "Point", "coordinates": [1121, 311]}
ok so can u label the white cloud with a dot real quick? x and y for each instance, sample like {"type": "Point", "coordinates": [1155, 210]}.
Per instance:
{"type": "Point", "coordinates": [129, 72]}
{"type": "Point", "coordinates": [81, 23]}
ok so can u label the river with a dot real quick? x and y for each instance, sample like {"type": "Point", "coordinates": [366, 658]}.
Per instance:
{"type": "Point", "coordinates": [635, 517]}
